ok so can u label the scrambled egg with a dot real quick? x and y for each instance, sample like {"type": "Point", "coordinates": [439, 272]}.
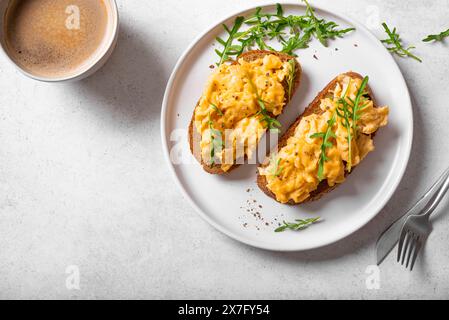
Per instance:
{"type": "Point", "coordinates": [229, 110]}
{"type": "Point", "coordinates": [293, 173]}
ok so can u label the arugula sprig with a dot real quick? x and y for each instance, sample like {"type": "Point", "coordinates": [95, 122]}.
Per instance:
{"type": "Point", "coordinates": [344, 112]}
{"type": "Point", "coordinates": [292, 32]}
{"type": "Point", "coordinates": [395, 42]}
{"type": "Point", "coordinates": [437, 37]}
{"type": "Point", "coordinates": [350, 113]}
{"type": "Point", "coordinates": [228, 48]}
{"type": "Point", "coordinates": [258, 16]}
{"type": "Point", "coordinates": [320, 28]}
{"type": "Point", "coordinates": [325, 144]}
{"type": "Point", "coordinates": [357, 106]}
{"type": "Point", "coordinates": [272, 123]}
{"type": "Point", "coordinates": [216, 142]}
{"type": "Point", "coordinates": [299, 224]}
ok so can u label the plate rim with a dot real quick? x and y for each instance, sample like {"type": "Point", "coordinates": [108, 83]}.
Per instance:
{"type": "Point", "coordinates": [262, 244]}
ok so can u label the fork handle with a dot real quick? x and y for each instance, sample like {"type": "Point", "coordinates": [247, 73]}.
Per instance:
{"type": "Point", "coordinates": [435, 201]}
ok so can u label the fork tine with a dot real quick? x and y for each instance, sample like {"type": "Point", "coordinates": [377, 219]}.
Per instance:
{"type": "Point", "coordinates": [412, 247]}
{"type": "Point", "coordinates": [401, 242]}
{"type": "Point", "coordinates": [406, 248]}
{"type": "Point", "coordinates": [415, 254]}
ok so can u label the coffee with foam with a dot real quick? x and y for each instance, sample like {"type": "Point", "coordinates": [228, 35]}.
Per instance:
{"type": "Point", "coordinates": [54, 38]}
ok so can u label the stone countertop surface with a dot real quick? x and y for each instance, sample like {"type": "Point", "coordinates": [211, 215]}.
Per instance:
{"type": "Point", "coordinates": [85, 190]}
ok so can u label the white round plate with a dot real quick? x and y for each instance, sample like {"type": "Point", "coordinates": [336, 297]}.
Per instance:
{"type": "Point", "coordinates": [233, 203]}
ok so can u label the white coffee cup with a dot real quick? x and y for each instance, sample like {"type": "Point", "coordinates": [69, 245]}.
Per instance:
{"type": "Point", "coordinates": [88, 67]}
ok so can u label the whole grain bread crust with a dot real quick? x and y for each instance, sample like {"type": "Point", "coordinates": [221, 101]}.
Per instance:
{"type": "Point", "coordinates": [313, 108]}
{"type": "Point", "coordinates": [247, 56]}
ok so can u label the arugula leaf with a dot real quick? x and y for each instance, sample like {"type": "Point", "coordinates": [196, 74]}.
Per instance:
{"type": "Point", "coordinates": [325, 144]}
{"type": "Point", "coordinates": [357, 107]}
{"type": "Point", "coordinates": [437, 37]}
{"type": "Point", "coordinates": [296, 42]}
{"type": "Point", "coordinates": [297, 225]}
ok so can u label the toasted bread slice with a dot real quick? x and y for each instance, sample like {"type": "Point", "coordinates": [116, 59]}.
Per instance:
{"type": "Point", "coordinates": [313, 108]}
{"type": "Point", "coordinates": [247, 56]}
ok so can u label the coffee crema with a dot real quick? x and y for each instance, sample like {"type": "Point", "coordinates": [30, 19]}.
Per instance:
{"type": "Point", "coordinates": [53, 38]}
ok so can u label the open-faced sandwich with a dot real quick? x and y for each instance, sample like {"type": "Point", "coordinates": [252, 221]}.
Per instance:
{"type": "Point", "coordinates": [325, 143]}
{"type": "Point", "coordinates": [241, 100]}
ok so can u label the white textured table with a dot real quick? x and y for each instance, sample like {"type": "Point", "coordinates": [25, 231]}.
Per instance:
{"type": "Point", "coordinates": [83, 181]}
